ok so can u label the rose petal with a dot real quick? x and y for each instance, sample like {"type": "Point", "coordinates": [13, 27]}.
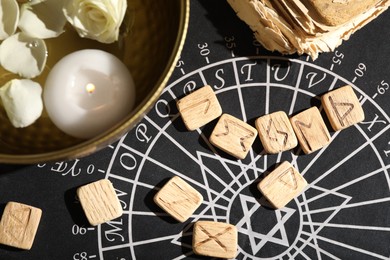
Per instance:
{"type": "Point", "coordinates": [22, 100]}
{"type": "Point", "coordinates": [96, 19]}
{"type": "Point", "coordinates": [9, 16]}
{"type": "Point", "coordinates": [23, 55]}
{"type": "Point", "coordinates": [42, 19]}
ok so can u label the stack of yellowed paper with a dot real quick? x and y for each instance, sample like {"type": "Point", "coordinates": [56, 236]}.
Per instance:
{"type": "Point", "coordinates": [306, 26]}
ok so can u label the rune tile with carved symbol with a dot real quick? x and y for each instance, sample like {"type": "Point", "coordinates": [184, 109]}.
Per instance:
{"type": "Point", "coordinates": [19, 225]}
{"type": "Point", "coordinates": [199, 108]}
{"type": "Point", "coordinates": [215, 239]}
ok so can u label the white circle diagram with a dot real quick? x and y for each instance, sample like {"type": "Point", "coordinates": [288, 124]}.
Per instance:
{"type": "Point", "coordinates": [342, 214]}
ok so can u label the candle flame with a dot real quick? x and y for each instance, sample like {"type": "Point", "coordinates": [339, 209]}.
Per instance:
{"type": "Point", "coordinates": [90, 88]}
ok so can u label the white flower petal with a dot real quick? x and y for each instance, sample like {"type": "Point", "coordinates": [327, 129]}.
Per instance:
{"type": "Point", "coordinates": [22, 100]}
{"type": "Point", "coordinates": [42, 19]}
{"type": "Point", "coordinates": [23, 55]}
{"type": "Point", "coordinates": [9, 17]}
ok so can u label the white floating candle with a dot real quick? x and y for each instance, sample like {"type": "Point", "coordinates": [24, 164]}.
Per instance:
{"type": "Point", "coordinates": [87, 92]}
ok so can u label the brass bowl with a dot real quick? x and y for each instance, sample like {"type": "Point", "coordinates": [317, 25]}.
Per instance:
{"type": "Point", "coordinates": [151, 48]}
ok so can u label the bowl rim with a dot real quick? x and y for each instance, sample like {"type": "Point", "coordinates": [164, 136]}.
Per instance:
{"type": "Point", "coordinates": [116, 132]}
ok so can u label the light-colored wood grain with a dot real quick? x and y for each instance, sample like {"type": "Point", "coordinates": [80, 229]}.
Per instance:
{"type": "Point", "coordinates": [178, 199]}
{"type": "Point", "coordinates": [199, 108]}
{"type": "Point", "coordinates": [233, 136]}
{"type": "Point", "coordinates": [214, 239]}
{"type": "Point", "coordinates": [342, 108]}
{"type": "Point", "coordinates": [276, 133]}
{"type": "Point", "coordinates": [99, 202]}
{"type": "Point", "coordinates": [19, 224]}
{"type": "Point", "coordinates": [310, 129]}
{"type": "Point", "coordinates": [282, 185]}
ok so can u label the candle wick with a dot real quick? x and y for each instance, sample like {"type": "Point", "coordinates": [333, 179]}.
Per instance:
{"type": "Point", "coordinates": [90, 88]}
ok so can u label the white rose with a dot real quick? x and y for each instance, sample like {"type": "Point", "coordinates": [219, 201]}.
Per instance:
{"type": "Point", "coordinates": [96, 19]}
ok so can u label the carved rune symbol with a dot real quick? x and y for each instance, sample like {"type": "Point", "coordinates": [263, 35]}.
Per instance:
{"type": "Point", "coordinates": [213, 237]}
{"type": "Point", "coordinates": [177, 201]}
{"type": "Point", "coordinates": [172, 205]}
{"type": "Point", "coordinates": [19, 219]}
{"type": "Point", "coordinates": [300, 124]}
{"type": "Point", "coordinates": [273, 138]}
{"type": "Point", "coordinates": [341, 116]}
{"type": "Point", "coordinates": [206, 103]}
{"type": "Point", "coordinates": [244, 132]}
{"type": "Point", "coordinates": [288, 178]}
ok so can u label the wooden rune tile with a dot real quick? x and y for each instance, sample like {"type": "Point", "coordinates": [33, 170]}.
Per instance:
{"type": "Point", "coordinates": [282, 185]}
{"type": "Point", "coordinates": [99, 202]}
{"type": "Point", "coordinates": [199, 108]}
{"type": "Point", "coordinates": [215, 239]}
{"type": "Point", "coordinates": [310, 129]}
{"type": "Point", "coordinates": [178, 199]}
{"type": "Point", "coordinates": [233, 136]}
{"type": "Point", "coordinates": [19, 224]}
{"type": "Point", "coordinates": [276, 133]}
{"type": "Point", "coordinates": [342, 108]}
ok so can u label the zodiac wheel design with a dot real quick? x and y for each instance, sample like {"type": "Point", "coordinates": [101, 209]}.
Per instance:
{"type": "Point", "coordinates": [333, 217]}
